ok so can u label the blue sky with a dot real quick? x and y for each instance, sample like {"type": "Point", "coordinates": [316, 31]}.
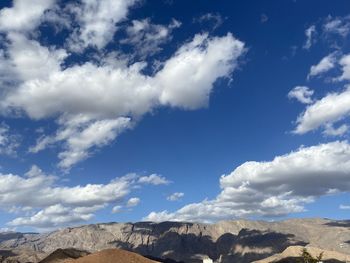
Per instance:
{"type": "Point", "coordinates": [168, 110]}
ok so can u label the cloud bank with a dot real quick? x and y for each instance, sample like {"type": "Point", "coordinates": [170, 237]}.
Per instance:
{"type": "Point", "coordinates": [273, 188]}
{"type": "Point", "coordinates": [45, 204]}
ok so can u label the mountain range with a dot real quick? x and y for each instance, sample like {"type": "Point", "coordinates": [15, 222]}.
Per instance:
{"type": "Point", "coordinates": [226, 241]}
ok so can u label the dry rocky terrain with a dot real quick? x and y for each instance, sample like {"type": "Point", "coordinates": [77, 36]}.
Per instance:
{"type": "Point", "coordinates": [228, 241]}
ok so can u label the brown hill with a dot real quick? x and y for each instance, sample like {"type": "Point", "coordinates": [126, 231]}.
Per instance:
{"type": "Point", "coordinates": [60, 255]}
{"type": "Point", "coordinates": [112, 256]}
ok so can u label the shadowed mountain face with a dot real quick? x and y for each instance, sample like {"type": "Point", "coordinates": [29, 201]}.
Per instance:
{"type": "Point", "coordinates": [342, 223]}
{"type": "Point", "coordinates": [10, 235]}
{"type": "Point", "coordinates": [246, 246]}
{"type": "Point", "coordinates": [20, 256]}
{"type": "Point", "coordinates": [229, 241]}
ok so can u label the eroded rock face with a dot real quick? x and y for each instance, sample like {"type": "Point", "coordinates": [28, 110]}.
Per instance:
{"type": "Point", "coordinates": [292, 254]}
{"type": "Point", "coordinates": [20, 256]}
{"type": "Point", "coordinates": [238, 241]}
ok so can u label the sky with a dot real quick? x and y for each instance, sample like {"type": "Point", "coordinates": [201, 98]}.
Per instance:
{"type": "Point", "coordinates": [165, 110]}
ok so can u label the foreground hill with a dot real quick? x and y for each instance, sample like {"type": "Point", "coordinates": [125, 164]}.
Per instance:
{"type": "Point", "coordinates": [229, 241]}
{"type": "Point", "coordinates": [62, 255]}
{"type": "Point", "coordinates": [112, 256]}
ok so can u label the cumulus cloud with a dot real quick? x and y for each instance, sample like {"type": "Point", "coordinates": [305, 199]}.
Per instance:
{"type": "Point", "coordinates": [95, 134]}
{"type": "Point", "coordinates": [80, 135]}
{"type": "Point", "coordinates": [273, 188]}
{"type": "Point", "coordinates": [97, 21]}
{"type": "Point", "coordinates": [302, 94]}
{"type": "Point", "coordinates": [345, 64]}
{"type": "Point", "coordinates": [95, 98]}
{"type": "Point", "coordinates": [117, 209]}
{"type": "Point", "coordinates": [327, 63]}
{"type": "Point", "coordinates": [9, 142]}
{"type": "Point", "coordinates": [328, 110]}
{"type": "Point", "coordinates": [330, 130]}
{"type": "Point", "coordinates": [146, 38]}
{"type": "Point", "coordinates": [153, 179]}
{"type": "Point", "coordinates": [32, 61]}
{"type": "Point", "coordinates": [310, 33]}
{"type": "Point", "coordinates": [55, 215]}
{"type": "Point", "coordinates": [52, 205]}
{"type": "Point", "coordinates": [104, 100]}
{"type": "Point", "coordinates": [134, 201]}
{"type": "Point", "coordinates": [27, 15]}
{"type": "Point", "coordinates": [329, 113]}
{"type": "Point", "coordinates": [175, 196]}
{"type": "Point", "coordinates": [197, 64]}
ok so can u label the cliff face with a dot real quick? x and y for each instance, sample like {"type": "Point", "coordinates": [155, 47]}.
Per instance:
{"type": "Point", "coordinates": [238, 241]}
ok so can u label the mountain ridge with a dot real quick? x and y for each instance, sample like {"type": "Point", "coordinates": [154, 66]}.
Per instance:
{"type": "Point", "coordinates": [238, 240]}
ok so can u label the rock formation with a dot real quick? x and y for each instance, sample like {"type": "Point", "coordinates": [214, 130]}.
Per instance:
{"type": "Point", "coordinates": [228, 241]}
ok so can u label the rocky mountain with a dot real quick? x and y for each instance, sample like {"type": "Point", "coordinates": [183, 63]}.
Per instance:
{"type": "Point", "coordinates": [292, 253]}
{"type": "Point", "coordinates": [227, 241]}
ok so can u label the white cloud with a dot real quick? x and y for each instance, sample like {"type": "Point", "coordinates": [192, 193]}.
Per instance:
{"type": "Point", "coordinates": [345, 64]}
{"type": "Point", "coordinates": [332, 30]}
{"type": "Point", "coordinates": [7, 229]}
{"type": "Point", "coordinates": [104, 100]}
{"type": "Point", "coordinates": [328, 110]}
{"type": "Point", "coordinates": [117, 209]}
{"type": "Point", "coordinates": [134, 201]}
{"type": "Point", "coordinates": [81, 135]}
{"type": "Point", "coordinates": [80, 140]}
{"type": "Point", "coordinates": [274, 188]}
{"type": "Point", "coordinates": [54, 205]}
{"type": "Point", "coordinates": [93, 101]}
{"type": "Point", "coordinates": [9, 142]}
{"type": "Point", "coordinates": [153, 179]}
{"type": "Point", "coordinates": [52, 216]}
{"type": "Point", "coordinates": [302, 94]}
{"type": "Point", "coordinates": [339, 131]}
{"type": "Point", "coordinates": [344, 207]}
{"type": "Point", "coordinates": [175, 196]}
{"type": "Point", "coordinates": [146, 38]}
{"type": "Point", "coordinates": [338, 25]}
{"type": "Point", "coordinates": [97, 22]}
{"type": "Point", "coordinates": [7, 74]}
{"type": "Point", "coordinates": [23, 15]}
{"type": "Point", "coordinates": [30, 60]}
{"type": "Point", "coordinates": [87, 90]}
{"type": "Point", "coordinates": [310, 33]}
{"type": "Point", "coordinates": [327, 63]}
{"type": "Point", "coordinates": [197, 64]}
